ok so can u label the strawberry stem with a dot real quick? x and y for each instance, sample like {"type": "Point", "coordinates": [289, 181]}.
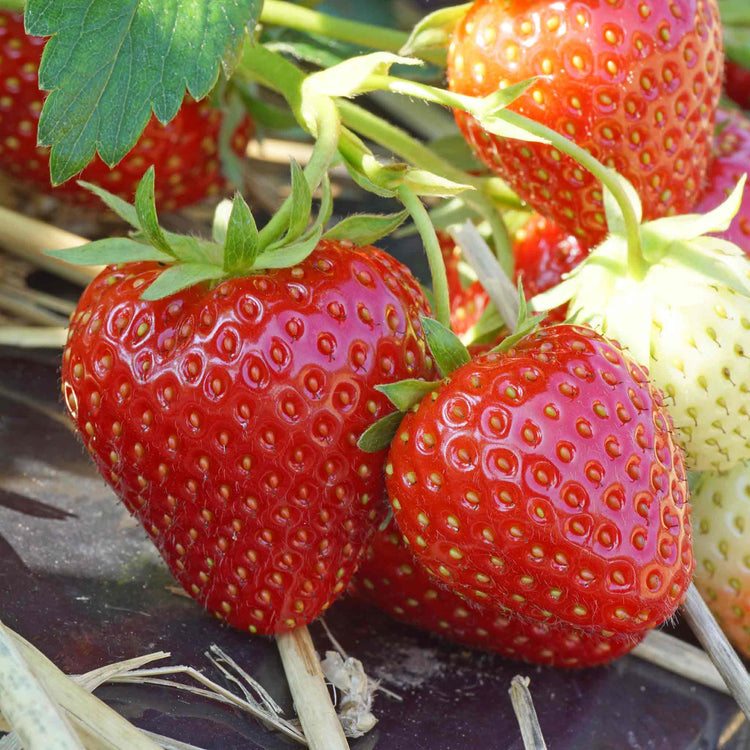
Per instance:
{"type": "Point", "coordinates": [434, 256]}
{"type": "Point", "coordinates": [636, 263]}
{"type": "Point", "coordinates": [291, 16]}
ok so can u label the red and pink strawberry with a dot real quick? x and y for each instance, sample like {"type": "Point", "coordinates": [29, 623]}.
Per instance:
{"type": "Point", "coordinates": [635, 84]}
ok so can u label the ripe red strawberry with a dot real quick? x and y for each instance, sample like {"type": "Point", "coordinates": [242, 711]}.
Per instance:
{"type": "Point", "coordinates": [636, 84]}
{"type": "Point", "coordinates": [731, 160]}
{"type": "Point", "coordinates": [392, 580]}
{"type": "Point", "coordinates": [737, 83]}
{"type": "Point", "coordinates": [185, 151]}
{"type": "Point", "coordinates": [226, 418]}
{"type": "Point", "coordinates": [545, 479]}
{"type": "Point", "coordinates": [543, 254]}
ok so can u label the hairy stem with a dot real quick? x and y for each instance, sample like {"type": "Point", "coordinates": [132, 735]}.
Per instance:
{"type": "Point", "coordinates": [434, 256]}
{"type": "Point", "coordinates": [291, 16]}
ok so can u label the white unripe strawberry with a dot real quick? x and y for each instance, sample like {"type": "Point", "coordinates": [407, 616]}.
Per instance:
{"type": "Point", "coordinates": [721, 545]}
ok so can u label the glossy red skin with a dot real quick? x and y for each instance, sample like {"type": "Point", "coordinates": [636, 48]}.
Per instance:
{"type": "Point", "coordinates": [510, 501]}
{"type": "Point", "coordinates": [737, 83]}
{"type": "Point", "coordinates": [543, 254]}
{"type": "Point", "coordinates": [647, 113]}
{"type": "Point", "coordinates": [731, 161]}
{"type": "Point", "coordinates": [184, 152]}
{"type": "Point", "coordinates": [226, 420]}
{"type": "Point", "coordinates": [391, 579]}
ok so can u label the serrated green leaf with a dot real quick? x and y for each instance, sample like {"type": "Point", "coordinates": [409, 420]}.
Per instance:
{"type": "Point", "coordinates": [377, 437]}
{"type": "Point", "coordinates": [123, 209]}
{"type": "Point", "coordinates": [349, 78]}
{"type": "Point", "coordinates": [447, 349]}
{"type": "Point", "coordinates": [407, 393]}
{"type": "Point", "coordinates": [423, 182]}
{"type": "Point", "coordinates": [191, 249]}
{"type": "Point", "coordinates": [299, 217]}
{"type": "Point", "coordinates": [435, 30]}
{"type": "Point", "coordinates": [241, 246]}
{"type": "Point", "coordinates": [145, 209]}
{"type": "Point", "coordinates": [181, 276]}
{"type": "Point", "coordinates": [109, 63]}
{"type": "Point", "coordinates": [365, 229]}
{"type": "Point", "coordinates": [108, 251]}
{"type": "Point", "coordinates": [615, 219]}
{"type": "Point", "coordinates": [289, 255]}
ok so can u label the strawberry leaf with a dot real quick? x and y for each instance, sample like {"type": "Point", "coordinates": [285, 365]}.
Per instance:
{"type": "Point", "coordinates": [434, 31]}
{"type": "Point", "coordinates": [123, 209]}
{"type": "Point", "coordinates": [302, 205]}
{"type": "Point", "coordinates": [364, 229]}
{"type": "Point", "coordinates": [490, 105]}
{"type": "Point", "coordinates": [108, 64]}
{"type": "Point", "coordinates": [407, 393]}
{"type": "Point", "coordinates": [289, 255]}
{"type": "Point", "coordinates": [176, 278]}
{"type": "Point", "coordinates": [379, 436]}
{"type": "Point", "coordinates": [110, 250]}
{"type": "Point", "coordinates": [427, 183]}
{"type": "Point", "coordinates": [241, 246]}
{"type": "Point", "coordinates": [447, 349]}
{"type": "Point", "coordinates": [145, 209]}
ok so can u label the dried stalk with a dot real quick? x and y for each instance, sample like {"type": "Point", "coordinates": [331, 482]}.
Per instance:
{"type": "Point", "coordinates": [27, 707]}
{"type": "Point", "coordinates": [523, 705]}
{"type": "Point", "coordinates": [34, 337]}
{"type": "Point", "coordinates": [681, 658]}
{"type": "Point", "coordinates": [312, 701]}
{"type": "Point", "coordinates": [29, 238]}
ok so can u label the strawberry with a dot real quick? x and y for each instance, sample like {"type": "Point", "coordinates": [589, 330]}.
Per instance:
{"type": "Point", "coordinates": [721, 514]}
{"type": "Point", "coordinates": [185, 150]}
{"type": "Point", "coordinates": [545, 479]}
{"type": "Point", "coordinates": [392, 580]}
{"type": "Point", "coordinates": [223, 400]}
{"type": "Point", "coordinates": [636, 84]}
{"type": "Point", "coordinates": [543, 254]}
{"type": "Point", "coordinates": [737, 83]}
{"type": "Point", "coordinates": [731, 160]}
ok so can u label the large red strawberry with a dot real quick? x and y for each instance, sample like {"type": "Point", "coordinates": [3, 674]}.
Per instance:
{"type": "Point", "coordinates": [391, 579]}
{"type": "Point", "coordinates": [731, 160]}
{"type": "Point", "coordinates": [546, 479]}
{"type": "Point", "coordinates": [185, 151]}
{"type": "Point", "coordinates": [225, 414]}
{"type": "Point", "coordinates": [636, 84]}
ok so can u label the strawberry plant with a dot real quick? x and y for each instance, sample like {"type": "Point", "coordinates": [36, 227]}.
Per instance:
{"type": "Point", "coordinates": [635, 85]}
{"type": "Point", "coordinates": [185, 151]}
{"type": "Point", "coordinates": [543, 479]}
{"type": "Point", "coordinates": [721, 513]}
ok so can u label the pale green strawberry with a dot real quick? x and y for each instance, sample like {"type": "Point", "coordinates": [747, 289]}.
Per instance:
{"type": "Point", "coordinates": [721, 546]}
{"type": "Point", "coordinates": [685, 314]}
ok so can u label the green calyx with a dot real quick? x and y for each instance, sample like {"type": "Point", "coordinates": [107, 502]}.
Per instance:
{"type": "Point", "coordinates": [606, 293]}
{"type": "Point", "coordinates": [237, 248]}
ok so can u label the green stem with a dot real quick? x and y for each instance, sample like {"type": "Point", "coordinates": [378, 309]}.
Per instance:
{"type": "Point", "coordinates": [324, 152]}
{"type": "Point", "coordinates": [414, 152]}
{"type": "Point", "coordinates": [291, 16]}
{"type": "Point", "coordinates": [421, 219]}
{"type": "Point", "coordinates": [606, 176]}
